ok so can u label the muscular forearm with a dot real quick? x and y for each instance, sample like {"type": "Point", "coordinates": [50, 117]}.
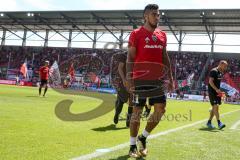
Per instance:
{"type": "Point", "coordinates": [121, 73]}
{"type": "Point", "coordinates": [169, 71]}
{"type": "Point", "coordinates": [168, 64]}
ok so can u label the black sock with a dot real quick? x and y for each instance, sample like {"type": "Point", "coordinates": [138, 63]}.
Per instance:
{"type": "Point", "coordinates": [40, 90]}
{"type": "Point", "coordinates": [133, 146]}
{"type": "Point", "coordinates": [209, 121]}
{"type": "Point", "coordinates": [45, 90]}
{"type": "Point", "coordinates": [142, 136]}
{"type": "Point", "coordinates": [130, 110]}
{"type": "Point", "coordinates": [118, 107]}
{"type": "Point", "coordinates": [218, 121]}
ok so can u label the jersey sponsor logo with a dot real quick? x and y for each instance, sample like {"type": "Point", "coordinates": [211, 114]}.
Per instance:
{"type": "Point", "coordinates": [147, 40]}
{"type": "Point", "coordinates": [153, 46]}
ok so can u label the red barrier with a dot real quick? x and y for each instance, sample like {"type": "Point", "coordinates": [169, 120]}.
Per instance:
{"type": "Point", "coordinates": [10, 82]}
{"type": "Point", "coordinates": [13, 82]}
{"type": "Point", "coordinates": [23, 83]}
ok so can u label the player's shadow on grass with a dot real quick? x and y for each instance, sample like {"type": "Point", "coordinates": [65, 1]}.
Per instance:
{"type": "Point", "coordinates": [126, 157]}
{"type": "Point", "coordinates": [32, 96]}
{"type": "Point", "coordinates": [110, 127]}
{"type": "Point", "coordinates": [208, 129]}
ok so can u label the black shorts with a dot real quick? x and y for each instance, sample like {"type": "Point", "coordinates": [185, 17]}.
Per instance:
{"type": "Point", "coordinates": [43, 82]}
{"type": "Point", "coordinates": [122, 94]}
{"type": "Point", "coordinates": [141, 101]}
{"type": "Point", "coordinates": [154, 90]}
{"type": "Point", "coordinates": [149, 88]}
{"type": "Point", "coordinates": [214, 99]}
{"type": "Point", "coordinates": [141, 94]}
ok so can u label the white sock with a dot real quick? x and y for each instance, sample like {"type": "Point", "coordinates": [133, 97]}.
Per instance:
{"type": "Point", "coordinates": [145, 133]}
{"type": "Point", "coordinates": [133, 140]}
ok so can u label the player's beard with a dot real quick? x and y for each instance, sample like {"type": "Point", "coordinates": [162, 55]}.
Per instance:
{"type": "Point", "coordinates": [153, 25]}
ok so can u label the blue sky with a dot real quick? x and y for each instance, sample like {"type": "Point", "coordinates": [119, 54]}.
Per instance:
{"type": "Point", "coordinates": [39, 5]}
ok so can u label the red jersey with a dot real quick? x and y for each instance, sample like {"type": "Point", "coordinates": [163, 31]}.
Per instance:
{"type": "Point", "coordinates": [148, 63]}
{"type": "Point", "coordinates": [44, 73]}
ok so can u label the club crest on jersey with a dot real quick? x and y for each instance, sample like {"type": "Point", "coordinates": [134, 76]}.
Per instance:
{"type": "Point", "coordinates": [154, 38]}
{"type": "Point", "coordinates": [147, 40]}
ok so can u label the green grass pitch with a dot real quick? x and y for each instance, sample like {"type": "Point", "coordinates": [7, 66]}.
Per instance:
{"type": "Point", "coordinates": [30, 129]}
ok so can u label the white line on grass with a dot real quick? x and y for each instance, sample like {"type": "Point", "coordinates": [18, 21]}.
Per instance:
{"type": "Point", "coordinates": [235, 125]}
{"type": "Point", "coordinates": [123, 145]}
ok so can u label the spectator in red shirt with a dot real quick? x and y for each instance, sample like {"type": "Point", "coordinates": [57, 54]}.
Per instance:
{"type": "Point", "coordinates": [44, 74]}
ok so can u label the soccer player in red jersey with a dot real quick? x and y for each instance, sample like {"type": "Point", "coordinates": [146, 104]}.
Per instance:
{"type": "Point", "coordinates": [44, 74]}
{"type": "Point", "coordinates": [147, 57]}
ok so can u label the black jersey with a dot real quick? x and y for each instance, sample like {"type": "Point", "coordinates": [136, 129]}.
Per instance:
{"type": "Point", "coordinates": [217, 77]}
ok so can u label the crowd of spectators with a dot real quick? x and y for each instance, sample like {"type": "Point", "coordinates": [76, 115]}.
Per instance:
{"type": "Point", "coordinates": [101, 61]}
{"type": "Point", "coordinates": [187, 63]}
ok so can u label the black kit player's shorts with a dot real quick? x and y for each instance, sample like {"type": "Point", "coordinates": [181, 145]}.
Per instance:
{"type": "Point", "coordinates": [122, 94]}
{"type": "Point", "coordinates": [43, 82]}
{"type": "Point", "coordinates": [214, 99]}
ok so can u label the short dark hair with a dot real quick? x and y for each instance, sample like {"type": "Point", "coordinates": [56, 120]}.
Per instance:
{"type": "Point", "coordinates": [150, 7]}
{"type": "Point", "coordinates": [223, 62]}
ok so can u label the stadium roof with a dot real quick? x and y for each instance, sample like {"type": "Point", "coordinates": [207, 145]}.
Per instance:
{"type": "Point", "coordinates": [190, 20]}
{"type": "Point", "coordinates": [210, 21]}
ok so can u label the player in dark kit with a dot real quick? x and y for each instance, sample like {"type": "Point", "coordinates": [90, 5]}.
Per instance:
{"type": "Point", "coordinates": [122, 94]}
{"type": "Point", "coordinates": [147, 57]}
{"type": "Point", "coordinates": [215, 94]}
{"type": "Point", "coordinates": [44, 74]}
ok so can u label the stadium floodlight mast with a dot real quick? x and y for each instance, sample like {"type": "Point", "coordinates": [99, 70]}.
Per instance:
{"type": "Point", "coordinates": [30, 14]}
{"type": "Point", "coordinates": [202, 14]}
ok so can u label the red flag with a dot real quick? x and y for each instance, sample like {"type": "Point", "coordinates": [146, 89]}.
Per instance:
{"type": "Point", "coordinates": [95, 79]}
{"type": "Point", "coordinates": [98, 82]}
{"type": "Point", "coordinates": [23, 69]}
{"type": "Point", "coordinates": [184, 83]}
{"type": "Point", "coordinates": [229, 81]}
{"type": "Point", "coordinates": [71, 72]}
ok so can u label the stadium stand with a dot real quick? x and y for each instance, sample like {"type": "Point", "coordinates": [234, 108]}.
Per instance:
{"type": "Point", "coordinates": [185, 63]}
{"type": "Point", "coordinates": [99, 61]}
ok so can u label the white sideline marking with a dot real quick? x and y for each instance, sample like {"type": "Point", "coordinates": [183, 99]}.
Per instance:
{"type": "Point", "coordinates": [123, 145]}
{"type": "Point", "coordinates": [235, 125]}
